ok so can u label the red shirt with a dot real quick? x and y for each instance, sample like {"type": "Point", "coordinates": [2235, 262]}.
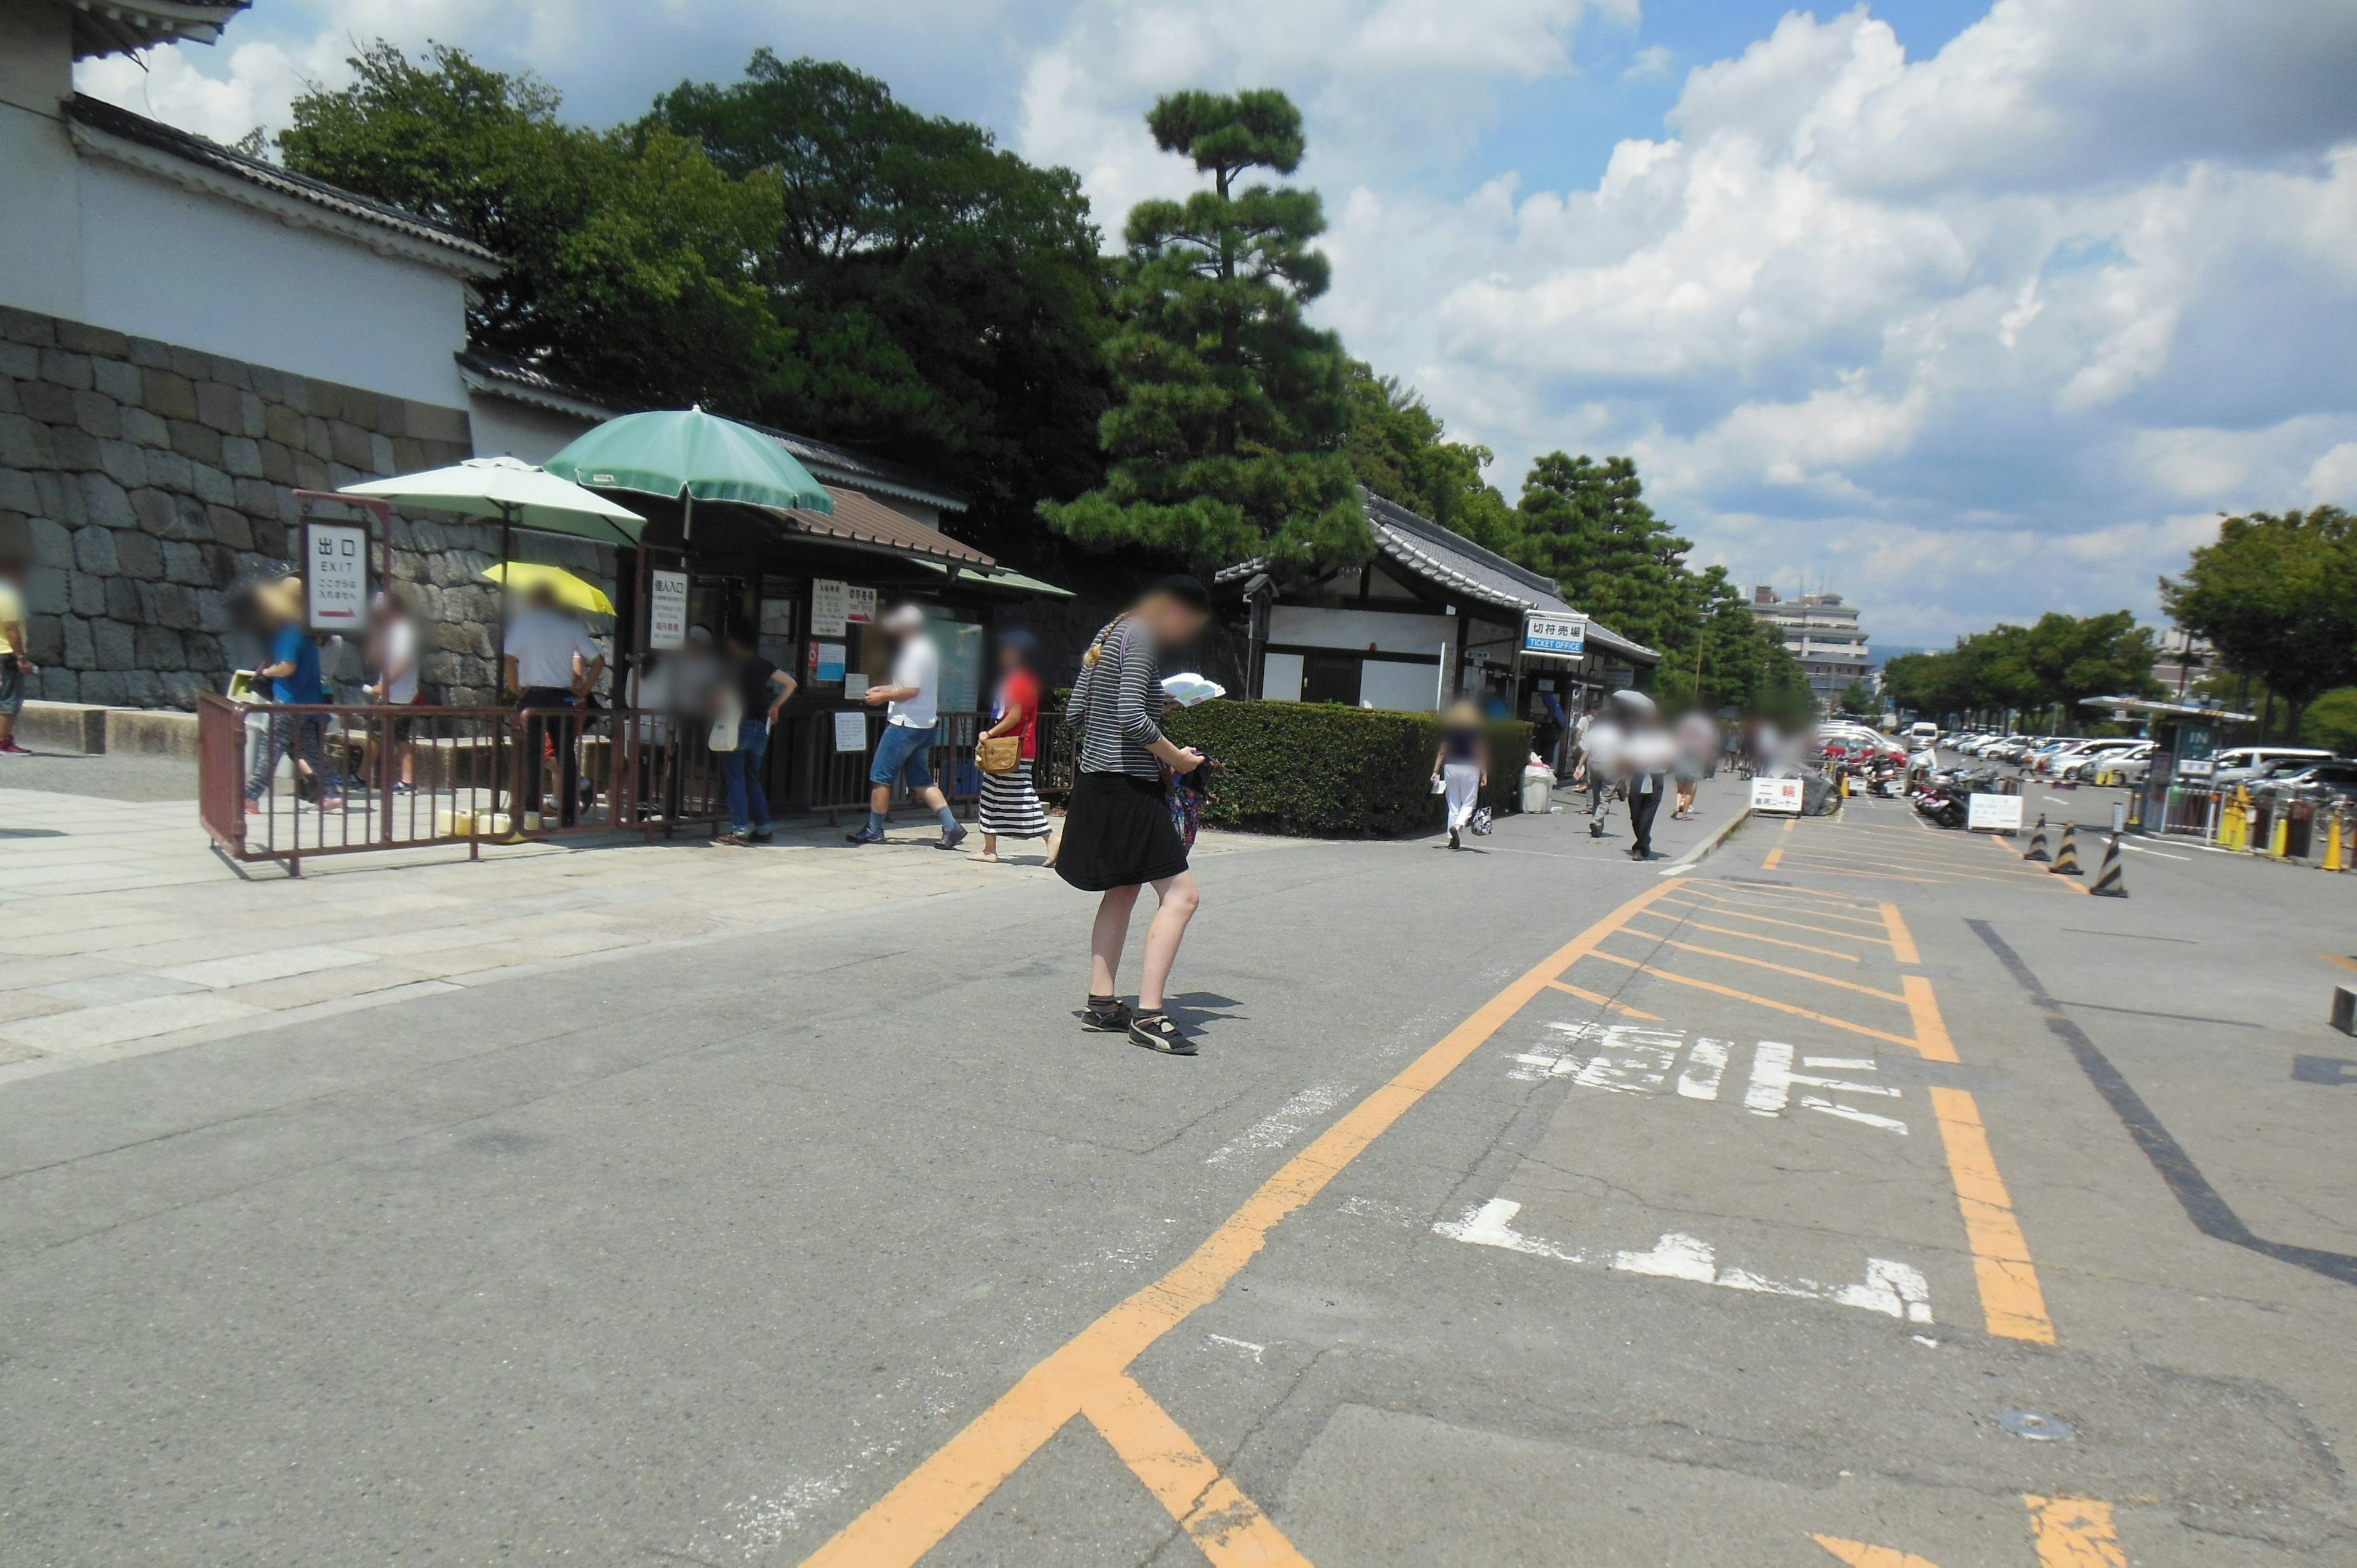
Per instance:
{"type": "Point", "coordinates": [1021, 689]}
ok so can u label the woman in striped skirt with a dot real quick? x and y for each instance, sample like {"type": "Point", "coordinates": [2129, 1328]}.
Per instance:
{"type": "Point", "coordinates": [1010, 805]}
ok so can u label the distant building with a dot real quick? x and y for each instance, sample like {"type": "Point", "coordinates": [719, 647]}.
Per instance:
{"type": "Point", "coordinates": [1823, 633]}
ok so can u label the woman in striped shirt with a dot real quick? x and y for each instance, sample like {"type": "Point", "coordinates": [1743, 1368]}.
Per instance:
{"type": "Point", "coordinates": [1119, 835]}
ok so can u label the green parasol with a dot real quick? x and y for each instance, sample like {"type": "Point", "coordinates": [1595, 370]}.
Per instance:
{"type": "Point", "coordinates": [692, 454]}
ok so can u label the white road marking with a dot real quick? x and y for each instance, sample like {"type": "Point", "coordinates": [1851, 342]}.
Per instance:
{"type": "Point", "coordinates": [1281, 1126]}
{"type": "Point", "coordinates": [1705, 1065]}
{"type": "Point", "coordinates": [1632, 1059]}
{"type": "Point", "coordinates": [1239, 1344]}
{"type": "Point", "coordinates": [1891, 1288]}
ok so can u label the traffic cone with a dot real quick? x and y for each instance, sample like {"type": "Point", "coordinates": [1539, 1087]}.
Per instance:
{"type": "Point", "coordinates": [2036, 850]}
{"type": "Point", "coordinates": [2107, 879]}
{"type": "Point", "coordinates": [2066, 855]}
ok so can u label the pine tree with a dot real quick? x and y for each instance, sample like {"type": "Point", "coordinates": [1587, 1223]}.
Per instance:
{"type": "Point", "coordinates": [1587, 525]}
{"type": "Point", "coordinates": [1225, 440]}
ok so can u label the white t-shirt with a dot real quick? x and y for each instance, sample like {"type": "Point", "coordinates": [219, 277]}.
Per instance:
{"type": "Point", "coordinates": [543, 643]}
{"type": "Point", "coordinates": [918, 664]}
{"type": "Point", "coordinates": [1601, 746]}
{"type": "Point", "coordinates": [398, 652]}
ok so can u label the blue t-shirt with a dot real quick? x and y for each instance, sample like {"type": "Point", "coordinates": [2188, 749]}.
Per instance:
{"type": "Point", "coordinates": [292, 643]}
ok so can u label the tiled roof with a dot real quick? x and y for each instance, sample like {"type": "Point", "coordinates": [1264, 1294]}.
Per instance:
{"type": "Point", "coordinates": [828, 462]}
{"type": "Point", "coordinates": [864, 519]}
{"type": "Point", "coordinates": [1449, 559]}
{"type": "Point", "coordinates": [105, 128]}
{"type": "Point", "coordinates": [118, 27]}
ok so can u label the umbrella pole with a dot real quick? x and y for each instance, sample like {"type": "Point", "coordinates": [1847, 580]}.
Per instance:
{"type": "Point", "coordinates": [499, 665]}
{"type": "Point", "coordinates": [687, 513]}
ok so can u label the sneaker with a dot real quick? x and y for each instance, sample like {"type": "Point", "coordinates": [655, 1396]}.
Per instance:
{"type": "Point", "coordinates": [1112, 1020]}
{"type": "Point", "coordinates": [1452, 840]}
{"type": "Point", "coordinates": [252, 807]}
{"type": "Point", "coordinates": [1156, 1032]}
{"type": "Point", "coordinates": [1594, 830]}
{"type": "Point", "coordinates": [766, 835]}
{"type": "Point", "coordinates": [865, 835]}
{"type": "Point", "coordinates": [10, 748]}
{"type": "Point", "coordinates": [952, 838]}
{"type": "Point", "coordinates": [739, 840]}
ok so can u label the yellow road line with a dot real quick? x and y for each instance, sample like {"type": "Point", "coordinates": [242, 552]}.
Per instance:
{"type": "Point", "coordinates": [1728, 912]}
{"type": "Point", "coordinates": [2336, 957]}
{"type": "Point", "coordinates": [1603, 1000]}
{"type": "Point", "coordinates": [1779, 968]}
{"type": "Point", "coordinates": [1902, 940]}
{"type": "Point", "coordinates": [1768, 1001]}
{"type": "Point", "coordinates": [1859, 1554]}
{"type": "Point", "coordinates": [1775, 858]}
{"type": "Point", "coordinates": [1756, 937]}
{"type": "Point", "coordinates": [1785, 905]}
{"type": "Point", "coordinates": [2011, 1300]}
{"type": "Point", "coordinates": [1228, 1526]}
{"type": "Point", "coordinates": [2075, 1532]}
{"type": "Point", "coordinates": [1786, 892]}
{"type": "Point", "coordinates": [915, 1516]}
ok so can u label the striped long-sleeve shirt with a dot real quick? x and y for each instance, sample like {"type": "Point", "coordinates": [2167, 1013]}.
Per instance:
{"type": "Point", "coordinates": [1119, 698]}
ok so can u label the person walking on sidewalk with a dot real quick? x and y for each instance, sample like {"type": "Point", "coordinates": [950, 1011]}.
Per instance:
{"type": "Point", "coordinates": [1119, 835]}
{"type": "Point", "coordinates": [1462, 766]}
{"type": "Point", "coordinates": [1647, 755]}
{"type": "Point", "coordinates": [1697, 739]}
{"type": "Point", "coordinates": [1010, 805]}
{"type": "Point", "coordinates": [908, 730]}
{"type": "Point", "coordinates": [761, 689]}
{"type": "Point", "coordinates": [1599, 759]}
{"type": "Point", "coordinates": [15, 663]}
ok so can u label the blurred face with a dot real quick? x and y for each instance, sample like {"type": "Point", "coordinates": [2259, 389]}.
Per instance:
{"type": "Point", "coordinates": [1172, 620]}
{"type": "Point", "coordinates": [1010, 657]}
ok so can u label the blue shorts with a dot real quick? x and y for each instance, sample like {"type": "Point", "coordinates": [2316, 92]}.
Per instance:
{"type": "Point", "coordinates": [900, 755]}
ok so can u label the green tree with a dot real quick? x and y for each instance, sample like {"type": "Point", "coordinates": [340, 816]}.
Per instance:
{"type": "Point", "coordinates": [2276, 595]}
{"type": "Point", "coordinates": [1858, 700]}
{"type": "Point", "coordinates": [634, 263]}
{"type": "Point", "coordinates": [1587, 525]}
{"type": "Point", "coordinates": [1225, 439]}
{"type": "Point", "coordinates": [2331, 721]}
{"type": "Point", "coordinates": [1399, 449]}
{"type": "Point", "coordinates": [947, 299]}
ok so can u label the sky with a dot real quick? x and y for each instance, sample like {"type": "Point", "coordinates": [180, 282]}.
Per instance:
{"type": "Point", "coordinates": [1967, 311]}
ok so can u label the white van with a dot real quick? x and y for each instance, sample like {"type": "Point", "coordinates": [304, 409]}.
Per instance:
{"type": "Point", "coordinates": [2242, 764]}
{"type": "Point", "coordinates": [1922, 733]}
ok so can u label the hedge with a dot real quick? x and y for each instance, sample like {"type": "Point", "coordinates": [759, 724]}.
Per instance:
{"type": "Point", "coordinates": [1322, 770]}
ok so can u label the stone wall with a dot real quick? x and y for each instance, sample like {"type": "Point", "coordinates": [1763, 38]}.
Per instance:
{"type": "Point", "coordinates": [139, 480]}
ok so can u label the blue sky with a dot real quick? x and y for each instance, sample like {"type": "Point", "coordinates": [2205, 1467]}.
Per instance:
{"type": "Point", "coordinates": [1970, 310]}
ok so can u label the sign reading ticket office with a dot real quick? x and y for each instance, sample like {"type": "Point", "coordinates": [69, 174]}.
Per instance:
{"type": "Point", "coordinates": [1565, 635]}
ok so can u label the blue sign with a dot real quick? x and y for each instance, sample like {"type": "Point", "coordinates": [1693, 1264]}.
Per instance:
{"type": "Point", "coordinates": [1565, 635]}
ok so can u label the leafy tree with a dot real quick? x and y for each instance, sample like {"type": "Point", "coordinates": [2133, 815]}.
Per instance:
{"type": "Point", "coordinates": [2276, 595]}
{"type": "Point", "coordinates": [633, 262]}
{"type": "Point", "coordinates": [1858, 700]}
{"type": "Point", "coordinates": [2041, 670]}
{"type": "Point", "coordinates": [947, 300]}
{"type": "Point", "coordinates": [1587, 525]}
{"type": "Point", "coordinates": [2331, 721]}
{"type": "Point", "coordinates": [1225, 440]}
{"type": "Point", "coordinates": [1400, 450]}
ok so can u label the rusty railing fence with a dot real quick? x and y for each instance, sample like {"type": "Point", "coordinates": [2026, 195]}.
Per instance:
{"type": "Point", "coordinates": [371, 777]}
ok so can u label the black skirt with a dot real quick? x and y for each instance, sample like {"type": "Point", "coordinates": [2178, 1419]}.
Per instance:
{"type": "Point", "coordinates": [1118, 834]}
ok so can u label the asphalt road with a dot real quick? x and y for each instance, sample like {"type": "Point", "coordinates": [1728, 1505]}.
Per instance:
{"type": "Point", "coordinates": [1864, 1195]}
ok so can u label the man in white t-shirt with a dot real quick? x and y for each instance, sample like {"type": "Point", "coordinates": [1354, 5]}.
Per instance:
{"type": "Point", "coordinates": [911, 704]}
{"type": "Point", "coordinates": [551, 662]}
{"type": "Point", "coordinates": [392, 649]}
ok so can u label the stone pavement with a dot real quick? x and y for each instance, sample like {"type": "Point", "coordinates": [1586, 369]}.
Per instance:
{"type": "Point", "coordinates": [121, 933]}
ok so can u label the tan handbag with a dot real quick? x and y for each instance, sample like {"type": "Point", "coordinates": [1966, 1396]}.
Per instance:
{"type": "Point", "coordinates": [999, 753]}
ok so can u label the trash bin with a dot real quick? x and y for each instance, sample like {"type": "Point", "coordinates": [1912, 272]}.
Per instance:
{"type": "Point", "coordinates": [1538, 790]}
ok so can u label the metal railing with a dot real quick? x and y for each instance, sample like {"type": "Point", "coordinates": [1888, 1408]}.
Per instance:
{"type": "Point", "coordinates": [2307, 829]}
{"type": "Point", "coordinates": [281, 782]}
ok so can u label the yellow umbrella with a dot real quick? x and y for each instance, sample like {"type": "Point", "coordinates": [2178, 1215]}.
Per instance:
{"type": "Point", "coordinates": [521, 575]}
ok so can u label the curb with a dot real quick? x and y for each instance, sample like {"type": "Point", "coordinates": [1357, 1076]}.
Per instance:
{"type": "Point", "coordinates": [1687, 861]}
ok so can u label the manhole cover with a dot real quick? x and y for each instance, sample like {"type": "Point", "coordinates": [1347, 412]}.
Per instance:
{"type": "Point", "coordinates": [2036, 1426]}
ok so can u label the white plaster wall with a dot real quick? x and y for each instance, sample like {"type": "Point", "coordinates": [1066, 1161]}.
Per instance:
{"type": "Point", "coordinates": [160, 261]}
{"type": "Point", "coordinates": [1403, 688]}
{"type": "Point", "coordinates": [41, 262]}
{"type": "Point", "coordinates": [1280, 677]}
{"type": "Point", "coordinates": [506, 428]}
{"type": "Point", "coordinates": [1390, 632]}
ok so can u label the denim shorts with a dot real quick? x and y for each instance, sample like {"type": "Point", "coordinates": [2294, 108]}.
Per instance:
{"type": "Point", "coordinates": [900, 755]}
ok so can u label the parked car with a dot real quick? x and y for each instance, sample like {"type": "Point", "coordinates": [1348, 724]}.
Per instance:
{"type": "Point", "coordinates": [2247, 764]}
{"type": "Point", "coordinates": [2320, 781]}
{"type": "Point", "coordinates": [2082, 760]}
{"type": "Point", "coordinates": [2126, 766]}
{"type": "Point", "coordinates": [2041, 757]}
